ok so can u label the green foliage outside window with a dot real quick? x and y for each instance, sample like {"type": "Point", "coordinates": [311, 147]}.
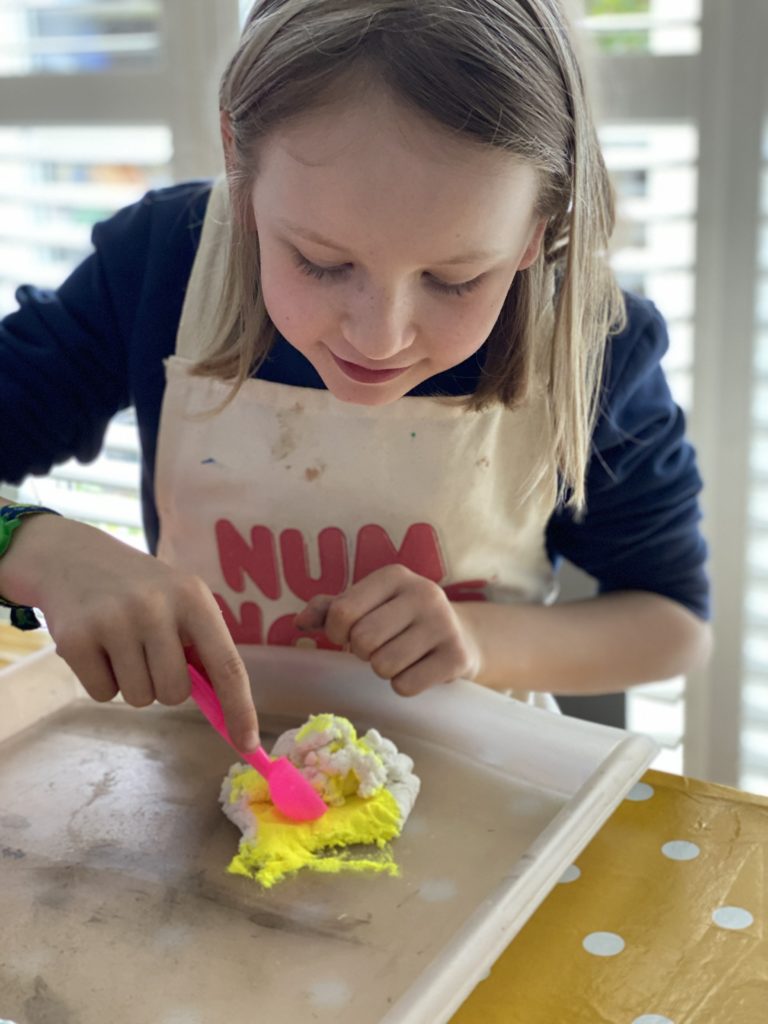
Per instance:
{"type": "Point", "coordinates": [620, 42]}
{"type": "Point", "coordinates": [618, 6]}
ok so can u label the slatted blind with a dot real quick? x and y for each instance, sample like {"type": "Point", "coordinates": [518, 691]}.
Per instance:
{"type": "Point", "coordinates": [653, 167]}
{"type": "Point", "coordinates": [67, 36]}
{"type": "Point", "coordinates": [653, 164]}
{"type": "Point", "coordinates": [754, 736]}
{"type": "Point", "coordinates": [643, 26]}
{"type": "Point", "coordinates": [56, 182]}
{"type": "Point", "coordinates": [656, 61]}
{"type": "Point", "coordinates": [99, 102]}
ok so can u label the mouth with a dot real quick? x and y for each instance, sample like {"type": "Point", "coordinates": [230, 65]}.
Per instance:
{"type": "Point", "coordinates": [362, 375]}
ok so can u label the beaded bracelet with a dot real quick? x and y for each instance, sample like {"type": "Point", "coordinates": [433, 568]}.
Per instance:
{"type": "Point", "coordinates": [10, 519]}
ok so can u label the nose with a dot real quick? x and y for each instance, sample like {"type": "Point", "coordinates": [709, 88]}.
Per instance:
{"type": "Point", "coordinates": [378, 323]}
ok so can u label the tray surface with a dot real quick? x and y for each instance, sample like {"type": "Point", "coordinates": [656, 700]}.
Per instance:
{"type": "Point", "coordinates": [112, 871]}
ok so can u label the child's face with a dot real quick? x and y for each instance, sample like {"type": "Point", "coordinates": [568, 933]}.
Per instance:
{"type": "Point", "coordinates": [387, 248]}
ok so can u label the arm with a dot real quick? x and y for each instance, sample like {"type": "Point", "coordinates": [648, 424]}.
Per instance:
{"type": "Point", "coordinates": [63, 373]}
{"type": "Point", "coordinates": [639, 539]}
{"type": "Point", "coordinates": [71, 358]}
{"type": "Point", "coordinates": [411, 634]}
{"type": "Point", "coordinates": [121, 619]}
{"type": "Point", "coordinates": [124, 621]}
{"type": "Point", "coordinates": [598, 645]}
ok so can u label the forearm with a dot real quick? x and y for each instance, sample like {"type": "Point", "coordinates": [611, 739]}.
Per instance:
{"type": "Point", "coordinates": [600, 645]}
{"type": "Point", "coordinates": [24, 560]}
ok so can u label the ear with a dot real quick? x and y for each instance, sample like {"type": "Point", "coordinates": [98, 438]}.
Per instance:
{"type": "Point", "coordinates": [227, 139]}
{"type": "Point", "coordinates": [532, 250]}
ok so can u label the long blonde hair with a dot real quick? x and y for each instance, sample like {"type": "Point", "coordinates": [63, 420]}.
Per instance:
{"type": "Point", "coordinates": [499, 72]}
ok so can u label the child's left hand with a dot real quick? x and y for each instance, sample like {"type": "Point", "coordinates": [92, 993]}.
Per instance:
{"type": "Point", "coordinates": [403, 625]}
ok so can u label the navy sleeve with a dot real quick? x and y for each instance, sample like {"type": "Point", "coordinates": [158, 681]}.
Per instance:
{"type": "Point", "coordinates": [64, 358]}
{"type": "Point", "coordinates": [63, 373]}
{"type": "Point", "coordinates": [641, 528]}
{"type": "Point", "coordinates": [71, 358]}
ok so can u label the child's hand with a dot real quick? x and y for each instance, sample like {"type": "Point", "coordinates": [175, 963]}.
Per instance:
{"type": "Point", "coordinates": [121, 619]}
{"type": "Point", "coordinates": [403, 624]}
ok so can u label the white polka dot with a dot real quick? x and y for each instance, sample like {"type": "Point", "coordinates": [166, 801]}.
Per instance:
{"type": "Point", "coordinates": [570, 874]}
{"type": "Point", "coordinates": [652, 1018]}
{"type": "Point", "coordinates": [603, 943]}
{"type": "Point", "coordinates": [732, 918]}
{"type": "Point", "coordinates": [329, 995]}
{"type": "Point", "coordinates": [680, 849]}
{"type": "Point", "coordinates": [438, 890]}
{"type": "Point", "coordinates": [640, 791]}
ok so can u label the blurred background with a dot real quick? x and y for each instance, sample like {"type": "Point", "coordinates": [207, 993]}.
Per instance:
{"type": "Point", "coordinates": [101, 101]}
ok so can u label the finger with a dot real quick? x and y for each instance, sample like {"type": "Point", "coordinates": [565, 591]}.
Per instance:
{"type": "Point", "coordinates": [404, 650]}
{"type": "Point", "coordinates": [312, 616]}
{"type": "Point", "coordinates": [435, 669]}
{"type": "Point", "coordinates": [378, 627]}
{"type": "Point", "coordinates": [167, 667]}
{"type": "Point", "coordinates": [129, 667]}
{"type": "Point", "coordinates": [361, 599]}
{"type": "Point", "coordinates": [93, 670]}
{"type": "Point", "coordinates": [206, 631]}
{"type": "Point", "coordinates": [230, 680]}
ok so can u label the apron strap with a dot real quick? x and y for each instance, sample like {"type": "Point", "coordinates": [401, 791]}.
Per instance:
{"type": "Point", "coordinates": [206, 282]}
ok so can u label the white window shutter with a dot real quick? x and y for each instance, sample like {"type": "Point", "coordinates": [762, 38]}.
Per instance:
{"type": "Point", "coordinates": [684, 93]}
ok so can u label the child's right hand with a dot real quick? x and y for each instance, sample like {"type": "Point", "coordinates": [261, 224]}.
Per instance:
{"type": "Point", "coordinates": [122, 619]}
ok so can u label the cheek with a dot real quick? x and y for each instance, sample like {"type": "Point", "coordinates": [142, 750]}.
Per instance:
{"type": "Point", "coordinates": [290, 304]}
{"type": "Point", "coordinates": [465, 327]}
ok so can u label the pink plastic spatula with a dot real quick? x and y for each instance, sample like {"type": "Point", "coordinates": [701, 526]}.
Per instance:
{"type": "Point", "coordinates": [291, 793]}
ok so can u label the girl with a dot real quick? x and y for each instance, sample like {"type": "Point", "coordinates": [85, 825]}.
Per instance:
{"type": "Point", "coordinates": [400, 381]}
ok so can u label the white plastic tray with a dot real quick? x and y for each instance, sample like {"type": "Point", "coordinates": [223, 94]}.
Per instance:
{"type": "Point", "coordinates": [113, 896]}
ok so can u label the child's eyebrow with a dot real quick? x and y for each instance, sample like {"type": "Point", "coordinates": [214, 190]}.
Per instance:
{"type": "Point", "coordinates": [474, 256]}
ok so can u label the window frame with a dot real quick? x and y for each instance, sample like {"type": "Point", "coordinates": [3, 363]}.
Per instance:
{"type": "Point", "coordinates": [723, 90]}
{"type": "Point", "coordinates": [194, 34]}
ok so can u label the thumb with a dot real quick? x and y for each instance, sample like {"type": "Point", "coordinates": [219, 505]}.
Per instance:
{"type": "Point", "coordinates": [313, 615]}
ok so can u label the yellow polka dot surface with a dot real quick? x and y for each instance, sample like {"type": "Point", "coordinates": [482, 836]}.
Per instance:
{"type": "Point", "coordinates": [662, 920]}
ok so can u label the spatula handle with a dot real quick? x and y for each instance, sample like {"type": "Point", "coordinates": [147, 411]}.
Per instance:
{"type": "Point", "coordinates": [204, 695]}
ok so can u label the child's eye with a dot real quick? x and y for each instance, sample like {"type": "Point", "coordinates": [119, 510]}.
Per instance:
{"type": "Point", "coordinates": [335, 273]}
{"type": "Point", "coordinates": [455, 289]}
{"type": "Point", "coordinates": [462, 289]}
{"type": "Point", "coordinates": [319, 273]}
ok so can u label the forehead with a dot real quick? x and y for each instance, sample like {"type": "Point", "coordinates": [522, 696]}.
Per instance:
{"type": "Point", "coordinates": [375, 169]}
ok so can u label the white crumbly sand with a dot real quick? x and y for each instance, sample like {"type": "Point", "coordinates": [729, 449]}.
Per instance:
{"type": "Point", "coordinates": [328, 752]}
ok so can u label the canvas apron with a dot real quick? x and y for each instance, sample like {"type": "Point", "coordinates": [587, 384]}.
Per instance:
{"type": "Point", "coordinates": [287, 492]}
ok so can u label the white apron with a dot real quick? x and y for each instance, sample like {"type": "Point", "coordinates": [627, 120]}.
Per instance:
{"type": "Point", "coordinates": [288, 492]}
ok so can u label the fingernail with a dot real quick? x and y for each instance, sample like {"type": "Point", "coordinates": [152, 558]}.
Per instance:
{"type": "Point", "coordinates": [251, 741]}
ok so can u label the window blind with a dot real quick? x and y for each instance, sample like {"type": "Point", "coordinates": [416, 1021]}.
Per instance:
{"type": "Point", "coordinates": [754, 735]}
{"type": "Point", "coordinates": [670, 74]}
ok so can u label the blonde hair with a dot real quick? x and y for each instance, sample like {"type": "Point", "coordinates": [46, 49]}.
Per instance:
{"type": "Point", "coordinates": [498, 72]}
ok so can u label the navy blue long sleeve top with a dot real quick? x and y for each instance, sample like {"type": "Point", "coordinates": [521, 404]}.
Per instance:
{"type": "Point", "coordinates": [71, 359]}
